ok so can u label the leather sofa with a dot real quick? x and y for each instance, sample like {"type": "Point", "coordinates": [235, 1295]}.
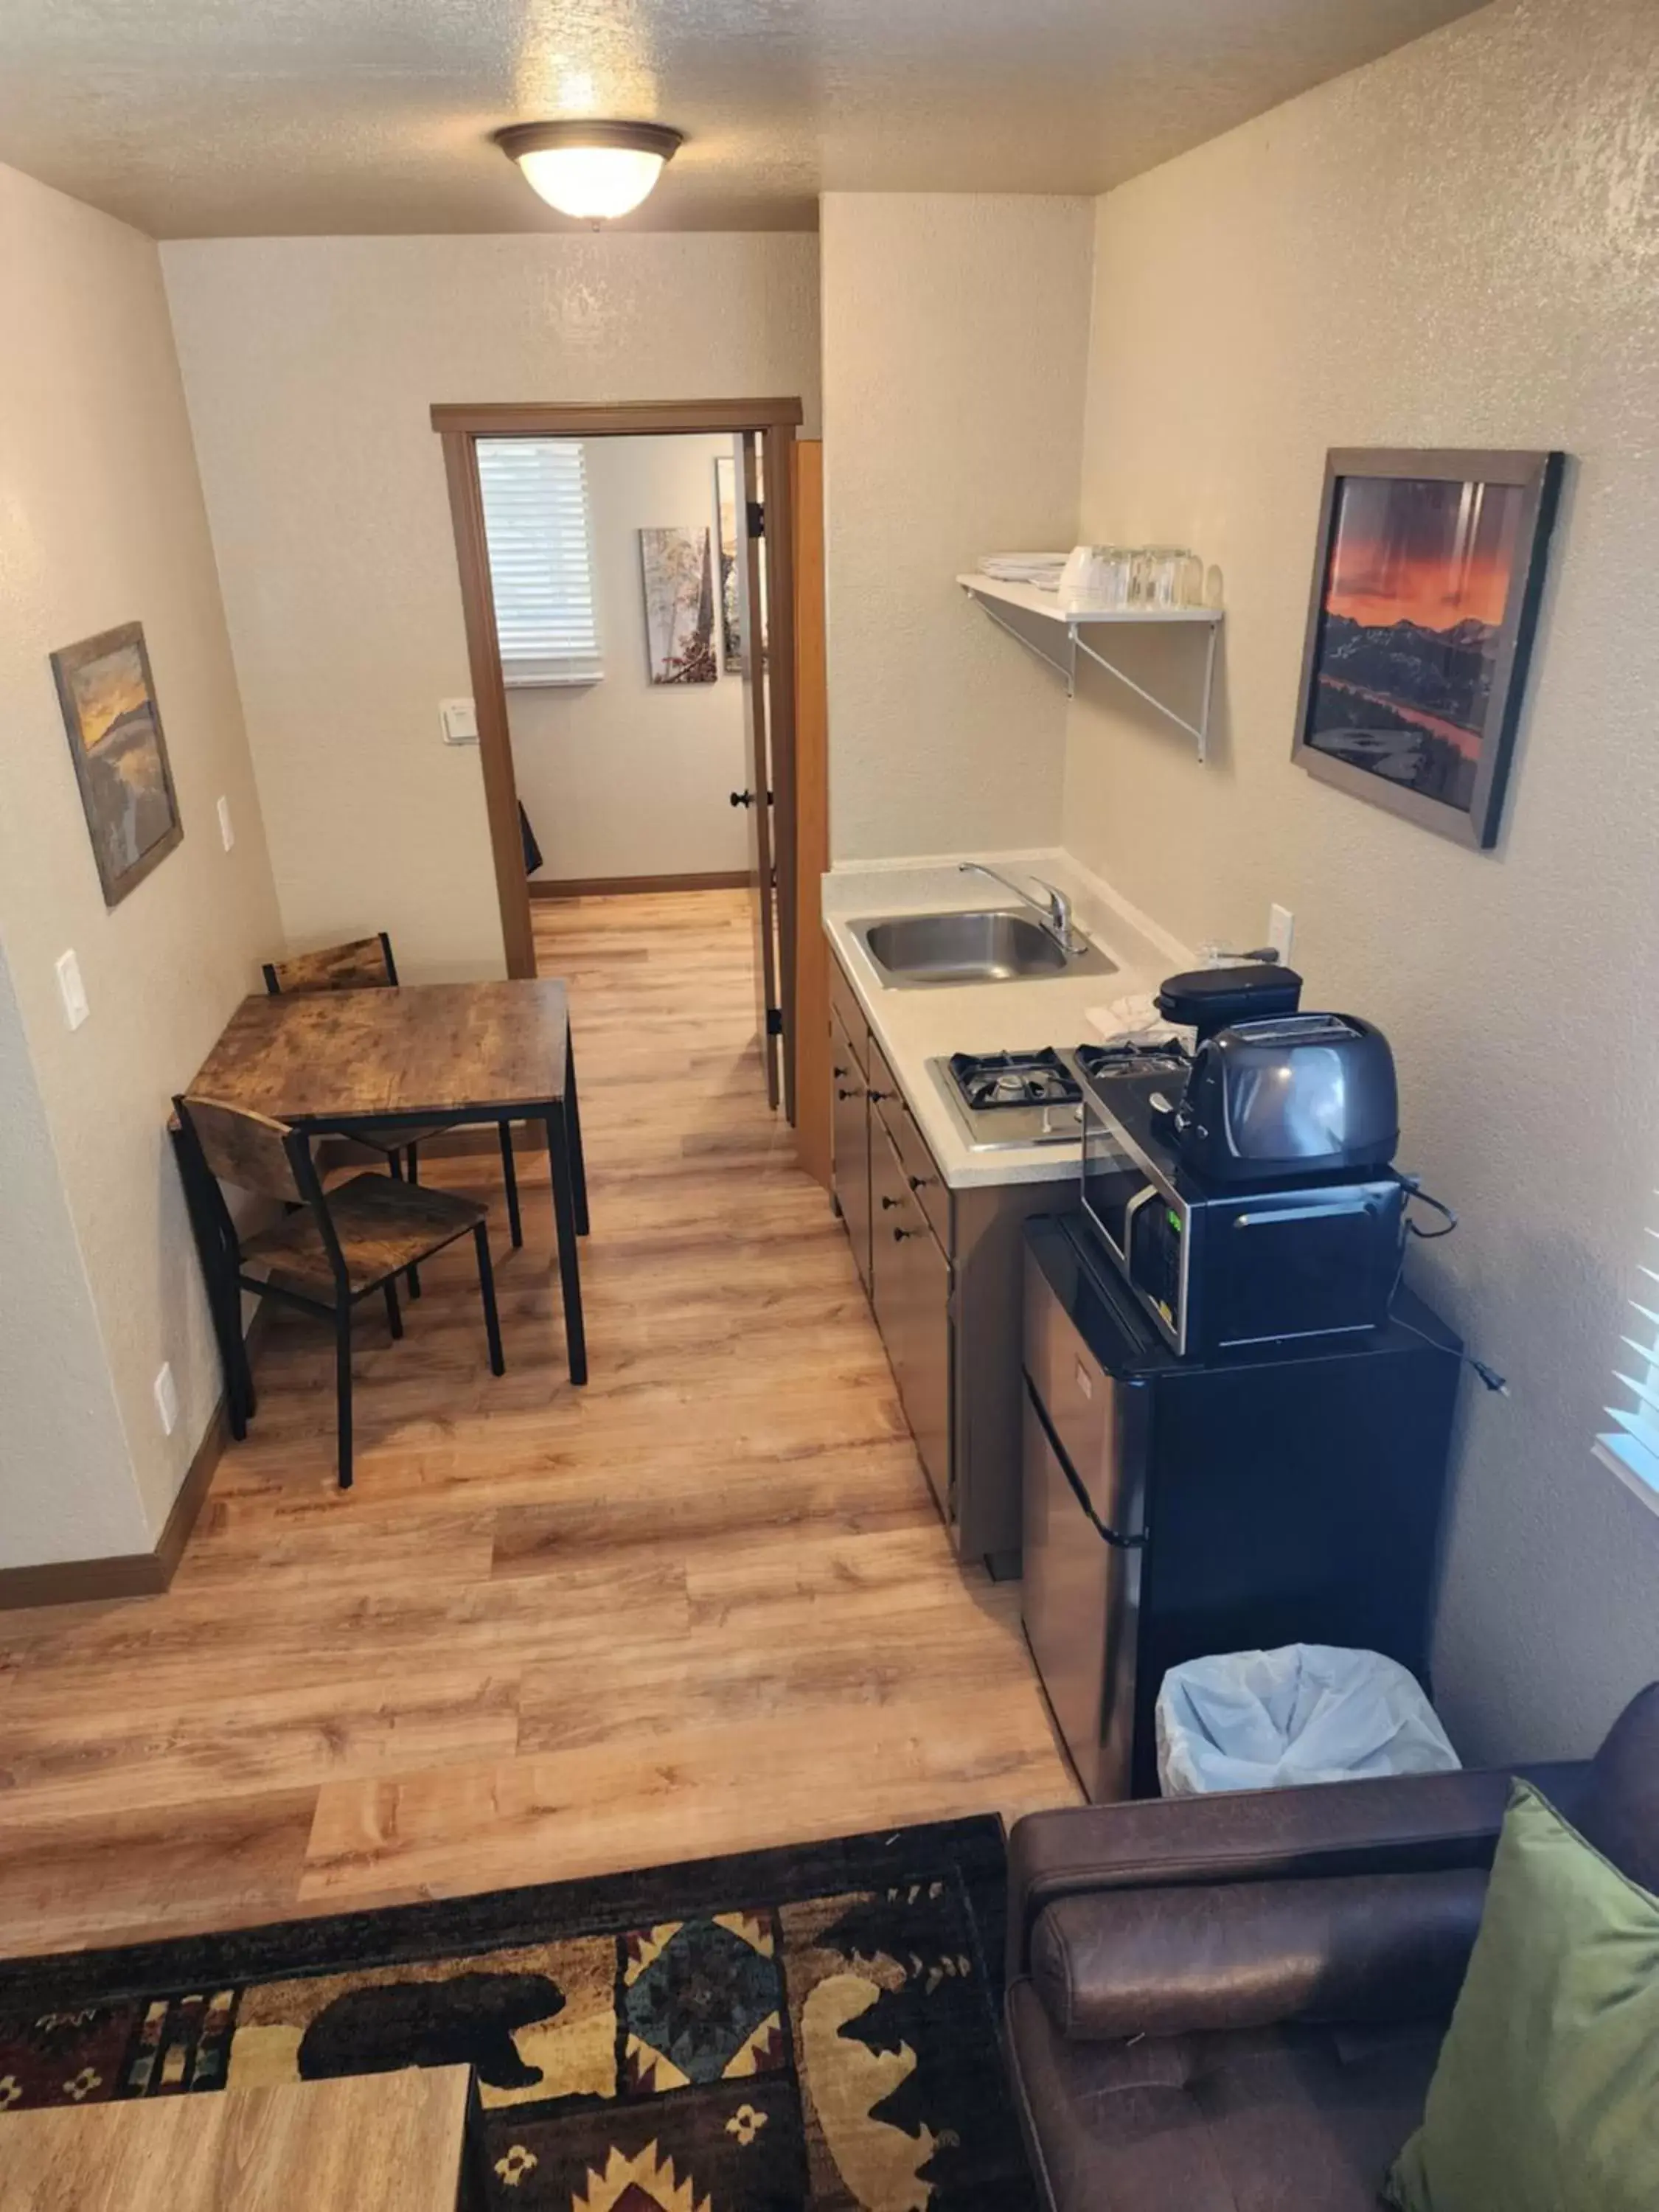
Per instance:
{"type": "Point", "coordinates": [1234, 2004]}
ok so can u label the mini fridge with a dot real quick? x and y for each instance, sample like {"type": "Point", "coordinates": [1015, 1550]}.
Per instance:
{"type": "Point", "coordinates": [1175, 1508]}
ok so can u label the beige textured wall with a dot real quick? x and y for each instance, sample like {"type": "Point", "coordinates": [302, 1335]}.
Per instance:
{"type": "Point", "coordinates": [311, 365]}
{"type": "Point", "coordinates": [955, 338]}
{"type": "Point", "coordinates": [1458, 246]}
{"type": "Point", "coordinates": [101, 522]}
{"type": "Point", "coordinates": [626, 777]}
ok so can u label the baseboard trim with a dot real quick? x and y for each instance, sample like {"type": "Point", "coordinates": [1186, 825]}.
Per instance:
{"type": "Point", "coordinates": [134, 1574]}
{"type": "Point", "coordinates": [722, 879]}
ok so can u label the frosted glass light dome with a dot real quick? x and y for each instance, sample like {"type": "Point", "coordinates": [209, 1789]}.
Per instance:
{"type": "Point", "coordinates": [593, 171]}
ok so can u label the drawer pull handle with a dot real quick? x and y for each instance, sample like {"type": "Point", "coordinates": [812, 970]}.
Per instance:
{"type": "Point", "coordinates": [899, 1234]}
{"type": "Point", "coordinates": [888, 1204]}
{"type": "Point", "coordinates": [845, 1094]}
{"type": "Point", "coordinates": [878, 1097]}
{"type": "Point", "coordinates": [920, 1182]}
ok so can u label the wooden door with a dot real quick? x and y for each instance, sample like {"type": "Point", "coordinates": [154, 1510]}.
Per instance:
{"type": "Point", "coordinates": [757, 797]}
{"type": "Point", "coordinates": [806, 1022]}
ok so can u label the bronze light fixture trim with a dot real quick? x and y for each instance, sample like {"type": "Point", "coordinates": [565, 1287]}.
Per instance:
{"type": "Point", "coordinates": [593, 170]}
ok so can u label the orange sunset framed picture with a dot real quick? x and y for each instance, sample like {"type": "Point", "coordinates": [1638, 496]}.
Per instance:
{"type": "Point", "coordinates": [1425, 598]}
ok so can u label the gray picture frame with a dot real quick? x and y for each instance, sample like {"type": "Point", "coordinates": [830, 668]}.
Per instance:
{"type": "Point", "coordinates": [1538, 477]}
{"type": "Point", "coordinates": [121, 764]}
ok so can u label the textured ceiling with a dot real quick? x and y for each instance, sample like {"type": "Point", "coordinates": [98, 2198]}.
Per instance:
{"type": "Point", "coordinates": [215, 117]}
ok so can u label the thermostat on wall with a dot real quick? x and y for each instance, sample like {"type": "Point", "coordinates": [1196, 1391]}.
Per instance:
{"type": "Point", "coordinates": [460, 720]}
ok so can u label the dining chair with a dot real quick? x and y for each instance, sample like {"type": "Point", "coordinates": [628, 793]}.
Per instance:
{"type": "Point", "coordinates": [332, 1248]}
{"type": "Point", "coordinates": [365, 963]}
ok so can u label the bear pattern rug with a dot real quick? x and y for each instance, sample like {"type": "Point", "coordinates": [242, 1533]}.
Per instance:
{"type": "Point", "coordinates": [813, 2027]}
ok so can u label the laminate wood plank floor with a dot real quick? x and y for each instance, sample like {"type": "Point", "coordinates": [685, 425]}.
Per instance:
{"type": "Point", "coordinates": [703, 1605]}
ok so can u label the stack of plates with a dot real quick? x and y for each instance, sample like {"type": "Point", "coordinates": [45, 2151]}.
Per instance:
{"type": "Point", "coordinates": [1039, 569]}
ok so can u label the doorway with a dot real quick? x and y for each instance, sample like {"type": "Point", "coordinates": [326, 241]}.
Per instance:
{"type": "Point", "coordinates": [761, 435]}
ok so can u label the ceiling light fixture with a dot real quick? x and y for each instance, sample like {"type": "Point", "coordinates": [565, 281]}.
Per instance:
{"type": "Point", "coordinates": [593, 171]}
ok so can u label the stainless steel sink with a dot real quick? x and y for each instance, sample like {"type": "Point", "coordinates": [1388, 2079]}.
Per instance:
{"type": "Point", "coordinates": [913, 950]}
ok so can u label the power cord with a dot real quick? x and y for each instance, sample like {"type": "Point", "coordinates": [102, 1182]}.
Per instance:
{"type": "Point", "coordinates": [1415, 1194]}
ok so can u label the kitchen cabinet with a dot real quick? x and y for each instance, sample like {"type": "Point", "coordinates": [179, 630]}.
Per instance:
{"type": "Point", "coordinates": [946, 1289]}
{"type": "Point", "coordinates": [849, 1140]}
{"type": "Point", "coordinates": [912, 1300]}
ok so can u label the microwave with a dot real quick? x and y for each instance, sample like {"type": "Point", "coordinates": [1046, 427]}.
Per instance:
{"type": "Point", "coordinates": [1218, 1269]}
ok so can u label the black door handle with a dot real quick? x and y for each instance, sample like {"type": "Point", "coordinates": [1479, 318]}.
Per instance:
{"type": "Point", "coordinates": [919, 1182]}
{"type": "Point", "coordinates": [888, 1204]}
{"type": "Point", "coordinates": [877, 1096]}
{"type": "Point", "coordinates": [899, 1234]}
{"type": "Point", "coordinates": [845, 1094]}
{"type": "Point", "coordinates": [743, 798]}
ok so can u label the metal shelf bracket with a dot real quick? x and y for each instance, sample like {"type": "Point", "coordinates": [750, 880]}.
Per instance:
{"type": "Point", "coordinates": [1198, 731]}
{"type": "Point", "coordinates": [1066, 670]}
{"type": "Point", "coordinates": [1076, 643]}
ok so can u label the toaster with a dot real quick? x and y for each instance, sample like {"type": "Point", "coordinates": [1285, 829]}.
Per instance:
{"type": "Point", "coordinates": [1289, 1095]}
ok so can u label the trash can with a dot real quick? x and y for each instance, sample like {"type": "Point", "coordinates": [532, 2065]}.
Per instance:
{"type": "Point", "coordinates": [1309, 1712]}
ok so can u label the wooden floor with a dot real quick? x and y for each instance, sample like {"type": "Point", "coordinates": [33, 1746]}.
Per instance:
{"type": "Point", "coordinates": [703, 1605]}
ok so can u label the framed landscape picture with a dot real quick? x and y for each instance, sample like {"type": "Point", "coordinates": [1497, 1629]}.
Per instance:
{"type": "Point", "coordinates": [1425, 595]}
{"type": "Point", "coordinates": [121, 756]}
{"type": "Point", "coordinates": [679, 606]}
{"type": "Point", "coordinates": [726, 519]}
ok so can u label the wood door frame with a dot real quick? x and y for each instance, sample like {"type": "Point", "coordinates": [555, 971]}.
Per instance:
{"type": "Point", "coordinates": [774, 420]}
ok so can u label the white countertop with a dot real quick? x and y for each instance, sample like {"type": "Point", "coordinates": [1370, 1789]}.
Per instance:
{"type": "Point", "coordinates": [915, 1025]}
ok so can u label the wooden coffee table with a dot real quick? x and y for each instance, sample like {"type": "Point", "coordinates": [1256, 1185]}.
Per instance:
{"type": "Point", "coordinates": [367, 2142]}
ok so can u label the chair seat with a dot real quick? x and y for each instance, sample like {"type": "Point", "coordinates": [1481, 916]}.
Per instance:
{"type": "Point", "coordinates": [383, 1227]}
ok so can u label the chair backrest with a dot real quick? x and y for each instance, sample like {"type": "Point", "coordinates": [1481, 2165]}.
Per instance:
{"type": "Point", "coordinates": [246, 1149]}
{"type": "Point", "coordinates": [365, 964]}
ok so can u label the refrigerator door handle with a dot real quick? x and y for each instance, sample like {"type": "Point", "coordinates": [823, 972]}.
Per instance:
{"type": "Point", "coordinates": [1114, 1536]}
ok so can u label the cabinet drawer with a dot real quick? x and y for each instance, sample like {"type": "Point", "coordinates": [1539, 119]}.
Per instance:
{"type": "Point", "coordinates": [844, 1004]}
{"type": "Point", "coordinates": [913, 1310]}
{"type": "Point", "coordinates": [921, 1173]}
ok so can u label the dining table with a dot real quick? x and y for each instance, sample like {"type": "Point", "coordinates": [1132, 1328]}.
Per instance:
{"type": "Point", "coordinates": [404, 1057]}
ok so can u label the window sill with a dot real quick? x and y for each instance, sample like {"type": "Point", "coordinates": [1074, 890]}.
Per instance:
{"type": "Point", "coordinates": [571, 683]}
{"type": "Point", "coordinates": [1628, 1476]}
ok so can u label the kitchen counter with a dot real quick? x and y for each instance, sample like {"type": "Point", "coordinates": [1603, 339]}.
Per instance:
{"type": "Point", "coordinates": [915, 1025]}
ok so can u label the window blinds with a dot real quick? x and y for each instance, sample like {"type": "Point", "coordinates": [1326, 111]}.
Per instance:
{"type": "Point", "coordinates": [1632, 1447]}
{"type": "Point", "coordinates": [541, 570]}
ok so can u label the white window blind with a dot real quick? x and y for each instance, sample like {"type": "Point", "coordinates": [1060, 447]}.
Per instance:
{"type": "Point", "coordinates": [1630, 1448]}
{"type": "Point", "coordinates": [541, 566]}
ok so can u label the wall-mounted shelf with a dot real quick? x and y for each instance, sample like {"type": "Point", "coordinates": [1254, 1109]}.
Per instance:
{"type": "Point", "coordinates": [1001, 600]}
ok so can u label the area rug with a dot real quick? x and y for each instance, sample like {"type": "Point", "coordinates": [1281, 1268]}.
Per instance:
{"type": "Point", "coordinates": [811, 2028]}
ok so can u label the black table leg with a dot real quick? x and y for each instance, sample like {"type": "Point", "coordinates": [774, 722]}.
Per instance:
{"type": "Point", "coordinates": [223, 1296]}
{"type": "Point", "coordinates": [572, 1122]}
{"type": "Point", "coordinates": [564, 1216]}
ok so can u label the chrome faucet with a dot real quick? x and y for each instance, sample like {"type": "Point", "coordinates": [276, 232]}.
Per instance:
{"type": "Point", "coordinates": [1055, 909]}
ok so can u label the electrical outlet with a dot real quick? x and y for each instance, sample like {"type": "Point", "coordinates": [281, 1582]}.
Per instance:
{"type": "Point", "coordinates": [227, 835]}
{"type": "Point", "coordinates": [1281, 931]}
{"type": "Point", "coordinates": [72, 990]}
{"type": "Point", "coordinates": [167, 1398]}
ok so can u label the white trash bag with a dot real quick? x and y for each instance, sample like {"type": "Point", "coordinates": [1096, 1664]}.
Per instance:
{"type": "Point", "coordinates": [1309, 1712]}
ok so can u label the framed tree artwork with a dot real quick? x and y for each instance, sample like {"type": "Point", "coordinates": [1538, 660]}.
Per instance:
{"type": "Point", "coordinates": [679, 606]}
{"type": "Point", "coordinates": [1427, 587]}
{"type": "Point", "coordinates": [121, 756]}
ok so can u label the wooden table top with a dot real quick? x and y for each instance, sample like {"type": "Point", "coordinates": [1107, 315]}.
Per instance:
{"type": "Point", "coordinates": [425, 1049]}
{"type": "Point", "coordinates": [373, 2143]}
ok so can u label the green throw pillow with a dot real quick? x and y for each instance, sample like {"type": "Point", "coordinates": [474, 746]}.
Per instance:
{"type": "Point", "coordinates": [1546, 2095]}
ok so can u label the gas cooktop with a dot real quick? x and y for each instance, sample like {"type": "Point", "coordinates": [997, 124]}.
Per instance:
{"type": "Point", "coordinates": [1007, 1100]}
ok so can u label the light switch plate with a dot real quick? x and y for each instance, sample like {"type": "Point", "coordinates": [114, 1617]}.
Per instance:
{"type": "Point", "coordinates": [227, 834]}
{"type": "Point", "coordinates": [1281, 931]}
{"type": "Point", "coordinates": [167, 1398]}
{"type": "Point", "coordinates": [72, 990]}
{"type": "Point", "coordinates": [460, 721]}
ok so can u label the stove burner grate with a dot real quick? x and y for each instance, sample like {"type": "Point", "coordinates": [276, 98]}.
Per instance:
{"type": "Point", "coordinates": [1101, 1062]}
{"type": "Point", "coordinates": [993, 1080]}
